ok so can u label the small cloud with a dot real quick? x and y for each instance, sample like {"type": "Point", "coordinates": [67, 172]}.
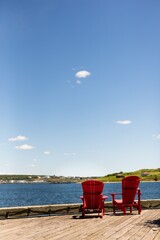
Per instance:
{"type": "Point", "coordinates": [24, 147]}
{"type": "Point", "coordinates": [124, 122]}
{"type": "Point", "coordinates": [82, 74]}
{"type": "Point", "coordinates": [78, 81]}
{"type": "Point", "coordinates": [18, 138]}
{"type": "Point", "coordinates": [47, 152]}
{"type": "Point", "coordinates": [79, 75]}
{"type": "Point", "coordinates": [156, 136]}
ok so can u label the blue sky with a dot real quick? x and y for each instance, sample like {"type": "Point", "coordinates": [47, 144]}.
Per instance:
{"type": "Point", "coordinates": [79, 86]}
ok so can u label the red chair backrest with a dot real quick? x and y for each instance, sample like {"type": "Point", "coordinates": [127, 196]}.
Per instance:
{"type": "Point", "coordinates": [129, 188]}
{"type": "Point", "coordinates": [92, 186]}
{"type": "Point", "coordinates": [92, 193]}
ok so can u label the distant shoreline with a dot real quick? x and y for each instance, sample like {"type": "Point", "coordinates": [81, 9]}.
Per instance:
{"type": "Point", "coordinates": [146, 175]}
{"type": "Point", "coordinates": [64, 182]}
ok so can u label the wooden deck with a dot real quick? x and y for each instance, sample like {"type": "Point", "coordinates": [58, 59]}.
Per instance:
{"type": "Point", "coordinates": [145, 226]}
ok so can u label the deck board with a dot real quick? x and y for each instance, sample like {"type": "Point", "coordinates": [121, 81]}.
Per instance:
{"type": "Point", "coordinates": [130, 227]}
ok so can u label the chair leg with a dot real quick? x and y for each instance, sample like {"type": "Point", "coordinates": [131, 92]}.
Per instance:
{"type": "Point", "coordinates": [83, 213]}
{"type": "Point", "coordinates": [130, 209]}
{"type": "Point", "coordinates": [102, 214]}
{"type": "Point", "coordinates": [114, 209]}
{"type": "Point", "coordinates": [139, 210]}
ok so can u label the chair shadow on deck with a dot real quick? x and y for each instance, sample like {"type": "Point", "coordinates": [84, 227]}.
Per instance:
{"type": "Point", "coordinates": [153, 223]}
{"type": "Point", "coordinates": [106, 214]}
{"type": "Point", "coordinates": [78, 217]}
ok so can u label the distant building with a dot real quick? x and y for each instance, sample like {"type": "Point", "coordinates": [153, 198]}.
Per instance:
{"type": "Point", "coordinates": [144, 174]}
{"type": "Point", "coordinates": [119, 175]}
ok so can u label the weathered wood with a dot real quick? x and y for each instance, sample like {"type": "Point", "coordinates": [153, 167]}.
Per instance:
{"type": "Point", "coordinates": [145, 226]}
{"type": "Point", "coordinates": [138, 232]}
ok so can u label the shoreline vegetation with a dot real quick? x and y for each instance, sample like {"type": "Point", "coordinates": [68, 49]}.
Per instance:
{"type": "Point", "coordinates": [147, 175]}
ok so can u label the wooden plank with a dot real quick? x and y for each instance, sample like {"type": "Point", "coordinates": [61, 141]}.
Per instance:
{"type": "Point", "coordinates": [91, 228]}
{"type": "Point", "coordinates": [157, 237]}
{"type": "Point", "coordinates": [150, 235]}
{"type": "Point", "coordinates": [65, 227]}
{"type": "Point", "coordinates": [138, 229]}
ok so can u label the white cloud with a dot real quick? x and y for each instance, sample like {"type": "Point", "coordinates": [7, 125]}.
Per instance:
{"type": "Point", "coordinates": [18, 138]}
{"type": "Point", "coordinates": [47, 152]}
{"type": "Point", "coordinates": [24, 147]}
{"type": "Point", "coordinates": [82, 74]}
{"type": "Point", "coordinates": [124, 122]}
{"type": "Point", "coordinates": [78, 81]}
{"type": "Point", "coordinates": [156, 136]}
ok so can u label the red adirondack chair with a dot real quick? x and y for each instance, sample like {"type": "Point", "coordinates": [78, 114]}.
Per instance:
{"type": "Point", "coordinates": [129, 192]}
{"type": "Point", "coordinates": [93, 200]}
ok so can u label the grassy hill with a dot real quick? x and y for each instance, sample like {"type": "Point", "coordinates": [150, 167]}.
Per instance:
{"type": "Point", "coordinates": [144, 174]}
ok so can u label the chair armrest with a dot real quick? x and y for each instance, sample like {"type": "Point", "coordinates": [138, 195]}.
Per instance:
{"type": "Point", "coordinates": [115, 194]}
{"type": "Point", "coordinates": [104, 198]}
{"type": "Point", "coordinates": [83, 200]}
{"type": "Point", "coordinates": [138, 190]}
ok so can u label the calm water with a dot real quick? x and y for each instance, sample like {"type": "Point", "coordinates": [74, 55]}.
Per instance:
{"type": "Point", "coordinates": [44, 193]}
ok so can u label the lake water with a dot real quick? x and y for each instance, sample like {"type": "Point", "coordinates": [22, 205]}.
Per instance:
{"type": "Point", "coordinates": [45, 193]}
